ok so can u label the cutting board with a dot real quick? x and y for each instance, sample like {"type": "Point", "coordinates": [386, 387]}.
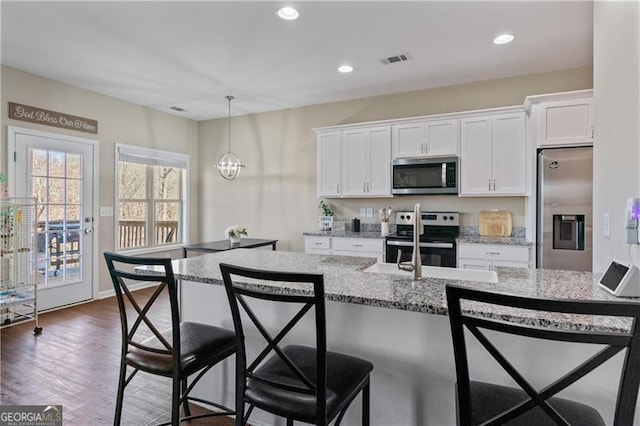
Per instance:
{"type": "Point", "coordinates": [495, 224]}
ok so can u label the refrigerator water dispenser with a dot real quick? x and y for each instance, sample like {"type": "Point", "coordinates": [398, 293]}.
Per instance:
{"type": "Point", "coordinates": [568, 231]}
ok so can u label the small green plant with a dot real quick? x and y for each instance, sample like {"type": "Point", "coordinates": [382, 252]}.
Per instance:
{"type": "Point", "coordinates": [326, 210]}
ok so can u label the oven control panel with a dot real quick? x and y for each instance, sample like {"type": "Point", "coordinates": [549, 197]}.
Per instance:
{"type": "Point", "coordinates": [430, 218]}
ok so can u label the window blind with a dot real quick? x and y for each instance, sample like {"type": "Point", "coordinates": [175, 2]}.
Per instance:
{"type": "Point", "coordinates": [151, 157]}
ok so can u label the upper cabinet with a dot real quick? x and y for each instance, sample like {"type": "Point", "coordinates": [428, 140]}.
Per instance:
{"type": "Point", "coordinates": [329, 164]}
{"type": "Point", "coordinates": [366, 168]}
{"type": "Point", "coordinates": [493, 155]}
{"type": "Point", "coordinates": [562, 119]}
{"type": "Point", "coordinates": [354, 162]}
{"type": "Point", "coordinates": [426, 138]}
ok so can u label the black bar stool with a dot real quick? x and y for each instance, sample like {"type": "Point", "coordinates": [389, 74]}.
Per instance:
{"type": "Point", "coordinates": [481, 403]}
{"type": "Point", "coordinates": [308, 384]}
{"type": "Point", "coordinates": [184, 349]}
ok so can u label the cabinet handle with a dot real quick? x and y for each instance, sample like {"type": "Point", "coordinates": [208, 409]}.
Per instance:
{"type": "Point", "coordinates": [364, 187]}
{"type": "Point", "coordinates": [493, 252]}
{"type": "Point", "coordinates": [337, 188]}
{"type": "Point", "coordinates": [318, 244]}
{"type": "Point", "coordinates": [426, 147]}
{"type": "Point", "coordinates": [592, 132]}
{"type": "Point", "coordinates": [489, 185]}
{"type": "Point", "coordinates": [357, 245]}
{"type": "Point", "coordinates": [368, 190]}
{"type": "Point", "coordinates": [494, 184]}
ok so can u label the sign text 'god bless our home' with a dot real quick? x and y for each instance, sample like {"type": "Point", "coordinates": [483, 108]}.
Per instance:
{"type": "Point", "coordinates": [52, 118]}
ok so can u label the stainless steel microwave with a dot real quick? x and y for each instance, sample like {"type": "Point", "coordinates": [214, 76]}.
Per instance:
{"type": "Point", "coordinates": [425, 176]}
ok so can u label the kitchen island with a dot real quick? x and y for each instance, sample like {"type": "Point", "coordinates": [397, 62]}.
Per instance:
{"type": "Point", "coordinates": [401, 326]}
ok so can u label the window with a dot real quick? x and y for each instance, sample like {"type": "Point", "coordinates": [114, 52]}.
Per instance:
{"type": "Point", "coordinates": [151, 197]}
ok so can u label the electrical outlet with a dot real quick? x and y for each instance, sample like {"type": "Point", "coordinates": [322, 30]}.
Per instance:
{"type": "Point", "coordinates": [363, 212]}
{"type": "Point", "coordinates": [369, 212]}
{"type": "Point", "coordinates": [106, 211]}
{"type": "Point", "coordinates": [606, 225]}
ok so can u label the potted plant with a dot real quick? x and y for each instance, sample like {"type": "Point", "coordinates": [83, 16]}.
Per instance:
{"type": "Point", "coordinates": [235, 232]}
{"type": "Point", "coordinates": [326, 216]}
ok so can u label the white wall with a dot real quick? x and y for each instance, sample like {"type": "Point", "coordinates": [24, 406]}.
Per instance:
{"type": "Point", "coordinates": [616, 78]}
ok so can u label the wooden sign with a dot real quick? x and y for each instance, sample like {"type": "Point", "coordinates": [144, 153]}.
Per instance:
{"type": "Point", "coordinates": [52, 118]}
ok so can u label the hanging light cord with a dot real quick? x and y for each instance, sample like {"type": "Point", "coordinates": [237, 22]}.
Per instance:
{"type": "Point", "coordinates": [229, 98]}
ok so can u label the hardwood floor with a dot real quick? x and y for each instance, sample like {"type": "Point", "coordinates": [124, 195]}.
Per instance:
{"type": "Point", "coordinates": [75, 362]}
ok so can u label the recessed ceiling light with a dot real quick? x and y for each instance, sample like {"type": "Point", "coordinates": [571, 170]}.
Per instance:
{"type": "Point", "coordinates": [345, 68]}
{"type": "Point", "coordinates": [503, 39]}
{"type": "Point", "coordinates": [288, 13]}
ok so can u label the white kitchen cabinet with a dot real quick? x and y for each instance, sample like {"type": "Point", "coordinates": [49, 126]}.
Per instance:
{"type": "Point", "coordinates": [366, 165]}
{"type": "Point", "coordinates": [508, 154]}
{"type": "Point", "coordinates": [318, 245]}
{"type": "Point", "coordinates": [566, 122]}
{"type": "Point", "coordinates": [343, 246]}
{"type": "Point", "coordinates": [490, 256]}
{"type": "Point", "coordinates": [493, 155]}
{"type": "Point", "coordinates": [361, 247]}
{"type": "Point", "coordinates": [329, 164]}
{"type": "Point", "coordinates": [425, 138]}
{"type": "Point", "coordinates": [561, 119]}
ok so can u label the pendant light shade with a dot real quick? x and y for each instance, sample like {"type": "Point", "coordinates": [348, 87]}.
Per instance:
{"type": "Point", "coordinates": [229, 165]}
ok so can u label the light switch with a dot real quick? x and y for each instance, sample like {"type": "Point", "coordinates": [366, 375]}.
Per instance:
{"type": "Point", "coordinates": [369, 212]}
{"type": "Point", "coordinates": [606, 225]}
{"type": "Point", "coordinates": [106, 211]}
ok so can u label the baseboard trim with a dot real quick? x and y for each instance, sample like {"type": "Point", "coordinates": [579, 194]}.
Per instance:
{"type": "Point", "coordinates": [139, 286]}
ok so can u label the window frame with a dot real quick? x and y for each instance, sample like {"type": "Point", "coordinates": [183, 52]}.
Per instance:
{"type": "Point", "coordinates": [152, 157]}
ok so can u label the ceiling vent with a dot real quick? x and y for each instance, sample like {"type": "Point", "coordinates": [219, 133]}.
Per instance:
{"type": "Point", "coordinates": [176, 108]}
{"type": "Point", "coordinates": [396, 59]}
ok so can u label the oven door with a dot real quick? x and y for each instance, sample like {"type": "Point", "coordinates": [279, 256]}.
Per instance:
{"type": "Point", "coordinates": [432, 254]}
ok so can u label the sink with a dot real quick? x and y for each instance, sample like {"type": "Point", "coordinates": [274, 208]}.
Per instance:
{"type": "Point", "coordinates": [437, 272]}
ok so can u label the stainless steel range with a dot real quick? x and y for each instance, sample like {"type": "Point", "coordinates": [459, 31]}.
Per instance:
{"type": "Point", "coordinates": [437, 243]}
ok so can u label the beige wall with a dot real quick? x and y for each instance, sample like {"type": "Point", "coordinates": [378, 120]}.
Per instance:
{"type": "Point", "coordinates": [275, 196]}
{"type": "Point", "coordinates": [118, 122]}
{"type": "Point", "coordinates": [617, 125]}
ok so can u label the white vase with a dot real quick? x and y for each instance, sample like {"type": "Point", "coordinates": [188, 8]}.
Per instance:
{"type": "Point", "coordinates": [384, 228]}
{"type": "Point", "coordinates": [234, 240]}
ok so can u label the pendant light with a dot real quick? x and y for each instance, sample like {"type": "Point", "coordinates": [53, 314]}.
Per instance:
{"type": "Point", "coordinates": [229, 165]}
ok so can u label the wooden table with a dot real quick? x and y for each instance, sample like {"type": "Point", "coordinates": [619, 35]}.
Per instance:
{"type": "Point", "coordinates": [223, 245]}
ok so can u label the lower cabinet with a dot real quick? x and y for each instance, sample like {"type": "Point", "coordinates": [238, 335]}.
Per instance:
{"type": "Point", "coordinates": [341, 246]}
{"type": "Point", "coordinates": [317, 245]}
{"type": "Point", "coordinates": [489, 256]}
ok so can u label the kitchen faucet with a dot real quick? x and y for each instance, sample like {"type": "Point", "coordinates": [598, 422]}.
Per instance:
{"type": "Point", "coordinates": [416, 264]}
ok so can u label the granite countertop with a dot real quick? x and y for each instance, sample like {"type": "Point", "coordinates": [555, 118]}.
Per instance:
{"type": "Point", "coordinates": [345, 281]}
{"type": "Point", "coordinates": [344, 234]}
{"type": "Point", "coordinates": [476, 239]}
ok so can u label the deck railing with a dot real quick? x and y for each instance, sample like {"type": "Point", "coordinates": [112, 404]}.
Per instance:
{"type": "Point", "coordinates": [132, 234]}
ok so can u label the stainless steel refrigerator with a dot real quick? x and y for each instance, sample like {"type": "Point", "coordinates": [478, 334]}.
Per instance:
{"type": "Point", "coordinates": [565, 209]}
